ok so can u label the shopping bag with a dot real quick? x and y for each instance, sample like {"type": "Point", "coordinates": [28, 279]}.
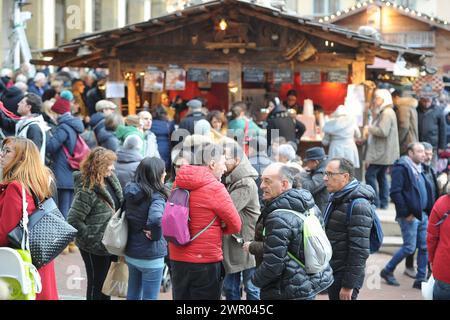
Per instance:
{"type": "Point", "coordinates": [116, 282]}
{"type": "Point", "coordinates": [427, 289]}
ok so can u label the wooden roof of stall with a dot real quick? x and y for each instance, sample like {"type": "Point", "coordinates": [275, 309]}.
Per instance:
{"type": "Point", "coordinates": [403, 10]}
{"type": "Point", "coordinates": [192, 36]}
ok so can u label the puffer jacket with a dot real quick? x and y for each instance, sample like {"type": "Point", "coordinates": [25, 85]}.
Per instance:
{"type": "Point", "coordinates": [408, 131]}
{"type": "Point", "coordinates": [163, 131]}
{"type": "Point", "coordinates": [127, 162]}
{"type": "Point", "coordinates": [91, 211]}
{"type": "Point", "coordinates": [432, 126]}
{"type": "Point", "coordinates": [105, 138]}
{"type": "Point", "coordinates": [313, 182]}
{"type": "Point", "coordinates": [279, 276]}
{"type": "Point", "coordinates": [208, 199]}
{"type": "Point", "coordinates": [65, 134]}
{"type": "Point", "coordinates": [350, 239]}
{"type": "Point", "coordinates": [143, 213]}
{"type": "Point", "coordinates": [244, 193]}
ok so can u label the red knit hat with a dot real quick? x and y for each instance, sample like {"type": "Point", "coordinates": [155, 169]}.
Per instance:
{"type": "Point", "coordinates": [61, 106]}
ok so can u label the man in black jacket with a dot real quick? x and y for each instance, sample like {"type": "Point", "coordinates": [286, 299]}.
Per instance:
{"type": "Point", "coordinates": [349, 237]}
{"type": "Point", "coordinates": [279, 276]}
{"type": "Point", "coordinates": [195, 114]}
{"type": "Point", "coordinates": [312, 180]}
{"type": "Point", "coordinates": [432, 126]}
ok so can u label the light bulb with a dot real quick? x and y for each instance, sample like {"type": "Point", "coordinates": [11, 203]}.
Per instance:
{"type": "Point", "coordinates": [223, 25]}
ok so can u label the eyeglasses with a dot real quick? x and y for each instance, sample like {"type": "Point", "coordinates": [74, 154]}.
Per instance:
{"type": "Point", "coordinates": [332, 174]}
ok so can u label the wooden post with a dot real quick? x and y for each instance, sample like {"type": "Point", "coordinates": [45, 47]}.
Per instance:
{"type": "Point", "coordinates": [132, 93]}
{"type": "Point", "coordinates": [235, 81]}
{"type": "Point", "coordinates": [115, 75]}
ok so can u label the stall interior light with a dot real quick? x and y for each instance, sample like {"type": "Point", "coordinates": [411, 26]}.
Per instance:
{"type": "Point", "coordinates": [223, 25]}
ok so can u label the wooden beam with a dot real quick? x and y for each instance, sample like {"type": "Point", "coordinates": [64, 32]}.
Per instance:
{"type": "Point", "coordinates": [115, 74]}
{"type": "Point", "coordinates": [235, 81]}
{"type": "Point", "coordinates": [316, 32]}
{"type": "Point", "coordinates": [223, 45]}
{"type": "Point", "coordinates": [132, 93]}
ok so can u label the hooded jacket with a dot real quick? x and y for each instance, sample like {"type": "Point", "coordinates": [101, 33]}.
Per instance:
{"type": "Point", "coordinates": [105, 138]}
{"type": "Point", "coordinates": [163, 132]}
{"type": "Point", "coordinates": [243, 191]}
{"type": "Point", "coordinates": [127, 162]}
{"type": "Point", "coordinates": [143, 213]}
{"type": "Point", "coordinates": [66, 133]}
{"type": "Point", "coordinates": [208, 199]}
{"type": "Point", "coordinates": [340, 133]}
{"type": "Point", "coordinates": [350, 239]}
{"type": "Point", "coordinates": [279, 276]}
{"type": "Point", "coordinates": [405, 191]}
{"type": "Point", "coordinates": [91, 211]}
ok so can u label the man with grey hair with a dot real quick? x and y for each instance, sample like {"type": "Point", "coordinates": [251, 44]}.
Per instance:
{"type": "Point", "coordinates": [278, 240]}
{"type": "Point", "coordinates": [430, 175]}
{"type": "Point", "coordinates": [39, 85]}
{"type": "Point", "coordinates": [195, 114]}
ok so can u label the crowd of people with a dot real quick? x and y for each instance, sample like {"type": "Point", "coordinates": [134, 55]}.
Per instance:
{"type": "Point", "coordinates": [247, 188]}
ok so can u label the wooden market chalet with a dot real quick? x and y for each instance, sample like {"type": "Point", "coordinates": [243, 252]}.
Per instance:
{"type": "Point", "coordinates": [243, 40]}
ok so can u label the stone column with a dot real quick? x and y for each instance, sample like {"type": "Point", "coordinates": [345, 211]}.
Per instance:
{"type": "Point", "coordinates": [79, 18]}
{"type": "Point", "coordinates": [113, 14]}
{"type": "Point", "coordinates": [41, 28]}
{"type": "Point", "coordinates": [139, 11]}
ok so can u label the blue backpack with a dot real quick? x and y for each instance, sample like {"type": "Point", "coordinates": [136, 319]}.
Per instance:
{"type": "Point", "coordinates": [376, 233]}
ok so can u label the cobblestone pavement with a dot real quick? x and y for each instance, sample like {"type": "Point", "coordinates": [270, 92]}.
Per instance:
{"type": "Point", "coordinates": [71, 278]}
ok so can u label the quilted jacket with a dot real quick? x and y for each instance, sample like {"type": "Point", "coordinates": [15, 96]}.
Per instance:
{"type": "Point", "coordinates": [279, 276]}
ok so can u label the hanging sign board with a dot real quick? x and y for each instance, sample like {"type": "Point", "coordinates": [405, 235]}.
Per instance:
{"type": "Point", "coordinates": [219, 76]}
{"type": "Point", "coordinates": [175, 79]}
{"type": "Point", "coordinates": [115, 89]}
{"type": "Point", "coordinates": [337, 76]}
{"type": "Point", "coordinates": [197, 75]}
{"type": "Point", "coordinates": [254, 74]}
{"type": "Point", "coordinates": [310, 77]}
{"type": "Point", "coordinates": [282, 76]}
{"type": "Point", "coordinates": [153, 80]}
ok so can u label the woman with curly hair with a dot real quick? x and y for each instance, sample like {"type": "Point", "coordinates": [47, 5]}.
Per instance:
{"type": "Point", "coordinates": [97, 196]}
{"type": "Point", "coordinates": [23, 168]}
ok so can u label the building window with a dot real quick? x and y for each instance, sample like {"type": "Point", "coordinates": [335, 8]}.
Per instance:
{"type": "Point", "coordinates": [324, 7]}
{"type": "Point", "coordinates": [408, 3]}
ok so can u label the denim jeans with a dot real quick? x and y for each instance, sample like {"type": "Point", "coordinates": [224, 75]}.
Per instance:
{"type": "Point", "coordinates": [414, 235]}
{"type": "Point", "coordinates": [143, 283]}
{"type": "Point", "coordinates": [65, 198]}
{"type": "Point", "coordinates": [377, 174]}
{"type": "Point", "coordinates": [232, 285]}
{"type": "Point", "coordinates": [441, 290]}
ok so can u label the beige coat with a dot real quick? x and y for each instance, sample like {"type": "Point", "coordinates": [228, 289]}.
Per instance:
{"type": "Point", "coordinates": [382, 146]}
{"type": "Point", "coordinates": [408, 131]}
{"type": "Point", "coordinates": [243, 191]}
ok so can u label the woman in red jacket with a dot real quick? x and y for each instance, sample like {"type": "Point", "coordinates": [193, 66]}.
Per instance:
{"type": "Point", "coordinates": [197, 271]}
{"type": "Point", "coordinates": [22, 166]}
{"type": "Point", "coordinates": [438, 242]}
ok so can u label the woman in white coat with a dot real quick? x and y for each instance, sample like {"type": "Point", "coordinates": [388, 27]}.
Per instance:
{"type": "Point", "coordinates": [340, 134]}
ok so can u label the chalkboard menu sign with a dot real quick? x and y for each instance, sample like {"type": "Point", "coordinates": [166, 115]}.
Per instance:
{"type": "Point", "coordinates": [253, 74]}
{"type": "Point", "coordinates": [219, 76]}
{"type": "Point", "coordinates": [310, 77]}
{"type": "Point", "coordinates": [339, 76]}
{"type": "Point", "coordinates": [197, 75]}
{"type": "Point", "coordinates": [282, 76]}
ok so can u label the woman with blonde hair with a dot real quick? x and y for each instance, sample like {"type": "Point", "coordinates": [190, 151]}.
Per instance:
{"type": "Point", "coordinates": [97, 197]}
{"type": "Point", "coordinates": [22, 168]}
